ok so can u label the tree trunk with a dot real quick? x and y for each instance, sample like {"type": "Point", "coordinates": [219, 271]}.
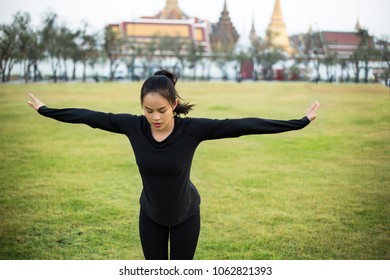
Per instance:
{"type": "Point", "coordinates": [26, 71]}
{"type": "Point", "coordinates": [11, 64]}
{"type": "Point", "coordinates": [74, 71]}
{"type": "Point", "coordinates": [84, 71]}
{"type": "Point", "coordinates": [3, 76]}
{"type": "Point", "coordinates": [55, 76]}
{"type": "Point", "coordinates": [35, 72]}
{"type": "Point", "coordinates": [65, 71]}
{"type": "Point", "coordinates": [366, 70]}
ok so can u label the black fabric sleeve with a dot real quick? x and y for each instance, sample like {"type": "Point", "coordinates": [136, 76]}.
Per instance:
{"type": "Point", "coordinates": [207, 129]}
{"type": "Point", "coordinates": [94, 119]}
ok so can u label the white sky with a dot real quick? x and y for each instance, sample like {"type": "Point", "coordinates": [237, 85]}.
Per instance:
{"type": "Point", "coordinates": [334, 15]}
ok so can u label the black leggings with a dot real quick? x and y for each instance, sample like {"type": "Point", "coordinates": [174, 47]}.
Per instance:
{"type": "Point", "coordinates": [183, 238]}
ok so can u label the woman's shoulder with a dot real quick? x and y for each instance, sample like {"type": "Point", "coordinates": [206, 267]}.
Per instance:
{"type": "Point", "coordinates": [195, 125]}
{"type": "Point", "coordinates": [125, 117]}
{"type": "Point", "coordinates": [197, 121]}
{"type": "Point", "coordinates": [128, 120]}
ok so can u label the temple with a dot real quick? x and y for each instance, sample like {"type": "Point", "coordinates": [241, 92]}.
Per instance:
{"type": "Point", "coordinates": [224, 35]}
{"type": "Point", "coordinates": [170, 22]}
{"type": "Point", "coordinates": [276, 34]}
{"type": "Point", "coordinates": [171, 11]}
{"type": "Point", "coordinates": [174, 23]}
{"type": "Point", "coordinates": [342, 44]}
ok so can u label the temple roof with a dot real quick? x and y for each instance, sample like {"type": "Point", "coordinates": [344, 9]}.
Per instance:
{"type": "Point", "coordinates": [170, 22]}
{"type": "Point", "coordinates": [327, 42]}
{"type": "Point", "coordinates": [224, 34]}
{"type": "Point", "coordinates": [171, 11]}
{"type": "Point", "coordinates": [341, 38]}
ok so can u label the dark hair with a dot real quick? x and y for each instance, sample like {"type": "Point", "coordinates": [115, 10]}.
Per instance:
{"type": "Point", "coordinates": [163, 82]}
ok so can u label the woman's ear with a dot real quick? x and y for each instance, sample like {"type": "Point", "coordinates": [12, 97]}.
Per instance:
{"type": "Point", "coordinates": [174, 105]}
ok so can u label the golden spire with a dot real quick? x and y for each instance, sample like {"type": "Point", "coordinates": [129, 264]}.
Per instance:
{"type": "Point", "coordinates": [277, 14]}
{"type": "Point", "coordinates": [276, 35]}
{"type": "Point", "coordinates": [171, 11]}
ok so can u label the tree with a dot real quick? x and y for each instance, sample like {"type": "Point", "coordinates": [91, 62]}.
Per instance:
{"type": "Point", "coordinates": [362, 56]}
{"type": "Point", "coordinates": [88, 51]}
{"type": "Point", "coordinates": [344, 65]}
{"type": "Point", "coordinates": [195, 54]}
{"type": "Point", "coordinates": [164, 49]}
{"type": "Point", "coordinates": [266, 56]}
{"type": "Point", "coordinates": [384, 57]}
{"type": "Point", "coordinates": [356, 61]}
{"type": "Point", "coordinates": [221, 60]}
{"type": "Point", "coordinates": [329, 60]}
{"type": "Point", "coordinates": [180, 52]}
{"type": "Point", "coordinates": [113, 47]}
{"type": "Point", "coordinates": [241, 57]}
{"type": "Point", "coordinates": [50, 38]}
{"type": "Point", "coordinates": [68, 47]}
{"type": "Point", "coordinates": [146, 54]}
{"type": "Point", "coordinates": [29, 47]}
{"type": "Point", "coordinates": [7, 50]}
{"type": "Point", "coordinates": [76, 48]}
{"type": "Point", "coordinates": [131, 55]}
{"type": "Point", "coordinates": [256, 46]}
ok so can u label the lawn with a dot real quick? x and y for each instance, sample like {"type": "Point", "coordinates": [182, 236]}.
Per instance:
{"type": "Point", "coordinates": [71, 192]}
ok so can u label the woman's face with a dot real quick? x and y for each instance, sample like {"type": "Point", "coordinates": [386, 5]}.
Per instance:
{"type": "Point", "coordinates": [158, 111]}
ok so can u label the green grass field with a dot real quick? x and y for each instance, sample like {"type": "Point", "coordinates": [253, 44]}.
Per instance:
{"type": "Point", "coordinates": [71, 192]}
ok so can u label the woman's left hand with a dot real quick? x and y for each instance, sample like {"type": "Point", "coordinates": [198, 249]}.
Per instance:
{"type": "Point", "coordinates": [35, 102]}
{"type": "Point", "coordinates": [311, 111]}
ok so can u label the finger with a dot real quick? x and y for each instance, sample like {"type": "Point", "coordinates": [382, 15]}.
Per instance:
{"type": "Point", "coordinates": [32, 98]}
{"type": "Point", "coordinates": [314, 106]}
{"type": "Point", "coordinates": [32, 105]}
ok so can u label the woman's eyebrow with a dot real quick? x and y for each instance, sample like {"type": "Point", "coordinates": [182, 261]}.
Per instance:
{"type": "Point", "coordinates": [146, 107]}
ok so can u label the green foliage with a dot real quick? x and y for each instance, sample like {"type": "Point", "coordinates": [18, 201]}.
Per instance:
{"type": "Point", "coordinates": [71, 192]}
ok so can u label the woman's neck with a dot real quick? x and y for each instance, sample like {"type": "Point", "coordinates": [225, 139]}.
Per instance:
{"type": "Point", "coordinates": [161, 134]}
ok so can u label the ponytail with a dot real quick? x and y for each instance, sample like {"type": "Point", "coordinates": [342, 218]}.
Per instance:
{"type": "Point", "coordinates": [163, 82]}
{"type": "Point", "coordinates": [169, 75]}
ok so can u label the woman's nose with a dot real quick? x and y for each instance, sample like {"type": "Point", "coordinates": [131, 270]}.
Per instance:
{"type": "Point", "coordinates": [156, 116]}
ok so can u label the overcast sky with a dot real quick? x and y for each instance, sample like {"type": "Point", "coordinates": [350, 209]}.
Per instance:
{"type": "Point", "coordinates": [334, 15]}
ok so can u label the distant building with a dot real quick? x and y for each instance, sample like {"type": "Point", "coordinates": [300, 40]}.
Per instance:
{"type": "Point", "coordinates": [341, 43]}
{"type": "Point", "coordinates": [171, 11]}
{"type": "Point", "coordinates": [173, 22]}
{"type": "Point", "coordinates": [276, 34]}
{"type": "Point", "coordinates": [224, 35]}
{"type": "Point", "coordinates": [170, 22]}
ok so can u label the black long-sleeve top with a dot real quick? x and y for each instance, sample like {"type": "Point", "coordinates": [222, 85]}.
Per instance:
{"type": "Point", "coordinates": [168, 196]}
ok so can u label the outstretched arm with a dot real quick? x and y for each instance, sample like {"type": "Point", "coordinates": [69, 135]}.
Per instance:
{"type": "Point", "coordinates": [207, 129]}
{"type": "Point", "coordinates": [94, 119]}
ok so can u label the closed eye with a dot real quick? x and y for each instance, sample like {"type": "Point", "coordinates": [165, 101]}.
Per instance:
{"type": "Point", "coordinates": [160, 110]}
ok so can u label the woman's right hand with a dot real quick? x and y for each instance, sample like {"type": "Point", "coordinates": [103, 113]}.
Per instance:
{"type": "Point", "coordinates": [35, 102]}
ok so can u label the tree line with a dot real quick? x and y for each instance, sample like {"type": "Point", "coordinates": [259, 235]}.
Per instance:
{"type": "Point", "coordinates": [60, 46]}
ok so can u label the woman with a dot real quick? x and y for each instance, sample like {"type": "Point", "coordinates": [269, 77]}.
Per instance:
{"type": "Point", "coordinates": [164, 145]}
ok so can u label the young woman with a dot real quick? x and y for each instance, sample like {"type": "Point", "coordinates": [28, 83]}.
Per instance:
{"type": "Point", "coordinates": [164, 144]}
